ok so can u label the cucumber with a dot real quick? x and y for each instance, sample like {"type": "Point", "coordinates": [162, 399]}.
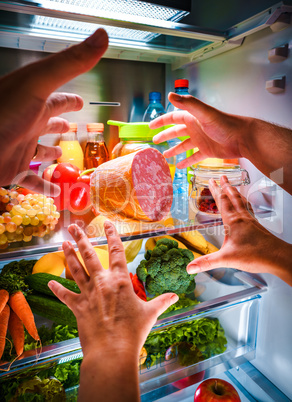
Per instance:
{"type": "Point", "coordinates": [39, 283]}
{"type": "Point", "coordinates": [50, 308]}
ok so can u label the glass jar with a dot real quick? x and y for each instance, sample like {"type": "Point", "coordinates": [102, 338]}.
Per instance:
{"type": "Point", "coordinates": [200, 197]}
{"type": "Point", "coordinates": [136, 136]}
{"type": "Point", "coordinates": [96, 151]}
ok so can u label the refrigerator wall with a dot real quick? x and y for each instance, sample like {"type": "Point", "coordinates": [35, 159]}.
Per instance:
{"type": "Point", "coordinates": [235, 83]}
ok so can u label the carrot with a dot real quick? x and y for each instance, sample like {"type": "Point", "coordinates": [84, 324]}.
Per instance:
{"type": "Point", "coordinates": [16, 330]}
{"type": "Point", "coordinates": [4, 317]}
{"type": "Point", "coordinates": [20, 306]}
{"type": "Point", "coordinates": [4, 296]}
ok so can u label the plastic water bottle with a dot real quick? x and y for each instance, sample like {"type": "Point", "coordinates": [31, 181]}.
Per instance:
{"type": "Point", "coordinates": [155, 108]}
{"type": "Point", "coordinates": [180, 182]}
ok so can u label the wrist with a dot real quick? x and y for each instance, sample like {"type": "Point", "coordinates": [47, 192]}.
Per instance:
{"type": "Point", "coordinates": [282, 261]}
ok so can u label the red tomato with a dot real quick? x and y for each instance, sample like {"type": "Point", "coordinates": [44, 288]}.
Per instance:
{"type": "Point", "coordinates": [64, 175]}
{"type": "Point", "coordinates": [79, 198]}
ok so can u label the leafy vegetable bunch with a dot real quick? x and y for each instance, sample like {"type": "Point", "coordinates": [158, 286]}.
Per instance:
{"type": "Point", "coordinates": [205, 335]}
{"type": "Point", "coordinates": [164, 269]}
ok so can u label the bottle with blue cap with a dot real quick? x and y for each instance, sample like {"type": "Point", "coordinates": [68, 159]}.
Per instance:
{"type": "Point", "coordinates": [180, 182]}
{"type": "Point", "coordinates": [155, 108]}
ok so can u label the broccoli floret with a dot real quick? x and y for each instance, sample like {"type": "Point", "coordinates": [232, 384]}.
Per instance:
{"type": "Point", "coordinates": [164, 269]}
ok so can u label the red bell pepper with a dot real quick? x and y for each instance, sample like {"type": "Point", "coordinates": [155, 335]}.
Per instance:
{"type": "Point", "coordinates": [138, 287]}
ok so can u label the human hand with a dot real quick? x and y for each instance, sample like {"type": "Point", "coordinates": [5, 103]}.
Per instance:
{"type": "Point", "coordinates": [247, 245]}
{"type": "Point", "coordinates": [216, 134]}
{"type": "Point", "coordinates": [28, 109]}
{"type": "Point", "coordinates": [111, 318]}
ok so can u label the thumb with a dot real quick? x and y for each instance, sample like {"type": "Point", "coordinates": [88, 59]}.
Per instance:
{"type": "Point", "coordinates": [161, 303]}
{"type": "Point", "coordinates": [207, 262]}
{"type": "Point", "coordinates": [203, 112]}
{"type": "Point", "coordinates": [48, 74]}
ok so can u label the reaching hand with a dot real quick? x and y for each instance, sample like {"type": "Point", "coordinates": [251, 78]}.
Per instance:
{"type": "Point", "coordinates": [107, 310]}
{"type": "Point", "coordinates": [113, 322]}
{"type": "Point", "coordinates": [28, 109]}
{"type": "Point", "coordinates": [216, 134]}
{"type": "Point", "coordinates": [247, 246]}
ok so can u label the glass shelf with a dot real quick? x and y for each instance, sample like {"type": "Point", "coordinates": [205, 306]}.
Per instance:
{"type": "Point", "coordinates": [132, 230]}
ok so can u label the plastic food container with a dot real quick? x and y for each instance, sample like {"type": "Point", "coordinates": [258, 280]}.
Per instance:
{"type": "Point", "coordinates": [201, 196]}
{"type": "Point", "coordinates": [136, 136]}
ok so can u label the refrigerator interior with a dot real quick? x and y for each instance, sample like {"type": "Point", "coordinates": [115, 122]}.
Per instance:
{"type": "Point", "coordinates": [233, 82]}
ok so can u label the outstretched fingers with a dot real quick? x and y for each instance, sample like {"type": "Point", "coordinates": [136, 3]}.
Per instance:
{"type": "Point", "coordinates": [88, 254]}
{"type": "Point", "coordinates": [117, 258]}
{"type": "Point", "coordinates": [64, 295]}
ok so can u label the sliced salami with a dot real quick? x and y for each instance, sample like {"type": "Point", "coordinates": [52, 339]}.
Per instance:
{"type": "Point", "coordinates": [137, 185]}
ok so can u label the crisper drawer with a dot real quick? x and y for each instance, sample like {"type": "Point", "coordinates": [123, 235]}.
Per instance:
{"type": "Point", "coordinates": [180, 352]}
{"type": "Point", "coordinates": [221, 338]}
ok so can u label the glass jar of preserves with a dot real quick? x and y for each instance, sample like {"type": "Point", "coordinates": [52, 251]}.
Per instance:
{"type": "Point", "coordinates": [136, 136]}
{"type": "Point", "coordinates": [201, 198]}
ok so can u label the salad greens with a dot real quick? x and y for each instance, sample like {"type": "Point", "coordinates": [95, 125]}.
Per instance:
{"type": "Point", "coordinates": [205, 335]}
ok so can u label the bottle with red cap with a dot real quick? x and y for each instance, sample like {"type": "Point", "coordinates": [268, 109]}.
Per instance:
{"type": "Point", "coordinates": [180, 182]}
{"type": "Point", "coordinates": [181, 87]}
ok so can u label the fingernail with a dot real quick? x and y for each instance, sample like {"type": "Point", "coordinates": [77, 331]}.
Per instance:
{"type": "Point", "coordinates": [97, 39]}
{"type": "Point", "coordinates": [75, 230]}
{"type": "Point", "coordinates": [51, 285]}
{"type": "Point", "coordinates": [108, 228]}
{"type": "Point", "coordinates": [174, 298]}
{"type": "Point", "coordinates": [155, 138]}
{"type": "Point", "coordinates": [66, 245]}
{"type": "Point", "coordinates": [193, 269]}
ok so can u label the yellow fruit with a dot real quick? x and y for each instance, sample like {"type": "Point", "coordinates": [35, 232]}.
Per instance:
{"type": "Point", "coordinates": [132, 248]}
{"type": "Point", "coordinates": [150, 244]}
{"type": "Point", "coordinates": [142, 356]}
{"type": "Point", "coordinates": [52, 263]}
{"type": "Point", "coordinates": [102, 256]}
{"type": "Point", "coordinates": [194, 239]}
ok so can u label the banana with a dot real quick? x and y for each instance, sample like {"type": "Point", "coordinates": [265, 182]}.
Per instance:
{"type": "Point", "coordinates": [150, 244]}
{"type": "Point", "coordinates": [194, 239]}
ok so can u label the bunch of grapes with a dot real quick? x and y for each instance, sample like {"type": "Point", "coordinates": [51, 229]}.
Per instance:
{"type": "Point", "coordinates": [24, 216]}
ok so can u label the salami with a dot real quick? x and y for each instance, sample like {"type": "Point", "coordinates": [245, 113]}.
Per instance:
{"type": "Point", "coordinates": [137, 186]}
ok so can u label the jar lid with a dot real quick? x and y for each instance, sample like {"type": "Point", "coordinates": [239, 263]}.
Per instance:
{"type": "Point", "coordinates": [236, 176]}
{"type": "Point", "coordinates": [95, 127]}
{"type": "Point", "coordinates": [135, 130]}
{"type": "Point", "coordinates": [72, 127]}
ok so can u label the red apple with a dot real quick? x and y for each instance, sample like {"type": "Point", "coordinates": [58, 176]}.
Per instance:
{"type": "Point", "coordinates": [216, 390]}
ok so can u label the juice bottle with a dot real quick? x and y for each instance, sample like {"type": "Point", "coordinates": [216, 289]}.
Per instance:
{"type": "Point", "coordinates": [71, 149]}
{"type": "Point", "coordinates": [96, 151]}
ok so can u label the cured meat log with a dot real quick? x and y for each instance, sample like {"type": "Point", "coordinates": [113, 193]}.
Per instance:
{"type": "Point", "coordinates": [137, 186]}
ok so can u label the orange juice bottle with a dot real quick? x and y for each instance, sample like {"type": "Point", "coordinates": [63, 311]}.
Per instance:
{"type": "Point", "coordinates": [71, 149]}
{"type": "Point", "coordinates": [96, 151]}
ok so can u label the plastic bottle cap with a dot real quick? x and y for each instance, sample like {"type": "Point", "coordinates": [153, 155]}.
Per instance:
{"type": "Point", "coordinates": [95, 127]}
{"type": "Point", "coordinates": [73, 127]}
{"type": "Point", "coordinates": [154, 96]}
{"type": "Point", "coordinates": [181, 83]}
